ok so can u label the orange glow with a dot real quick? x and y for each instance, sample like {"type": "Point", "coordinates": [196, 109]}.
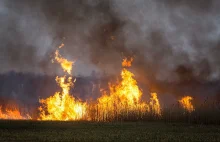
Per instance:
{"type": "Point", "coordinates": [12, 114]}
{"type": "Point", "coordinates": [62, 106]}
{"type": "Point", "coordinates": [186, 103]}
{"type": "Point", "coordinates": [126, 62]}
{"type": "Point", "coordinates": [123, 98]}
{"type": "Point", "coordinates": [65, 64]}
{"type": "Point", "coordinates": [61, 46]}
{"type": "Point", "coordinates": [155, 104]}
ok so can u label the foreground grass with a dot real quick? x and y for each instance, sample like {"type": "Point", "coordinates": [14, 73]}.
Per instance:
{"type": "Point", "coordinates": [92, 131]}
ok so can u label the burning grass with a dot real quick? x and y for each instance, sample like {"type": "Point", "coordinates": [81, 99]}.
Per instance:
{"type": "Point", "coordinates": [62, 106]}
{"type": "Point", "coordinates": [123, 99]}
{"type": "Point", "coordinates": [12, 113]}
{"type": "Point", "coordinates": [187, 104]}
{"type": "Point", "coordinates": [122, 102]}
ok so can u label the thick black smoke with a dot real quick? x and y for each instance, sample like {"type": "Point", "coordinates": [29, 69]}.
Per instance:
{"type": "Point", "coordinates": [168, 39]}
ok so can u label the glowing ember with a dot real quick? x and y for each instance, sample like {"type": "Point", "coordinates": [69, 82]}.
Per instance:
{"type": "Point", "coordinates": [186, 103]}
{"type": "Point", "coordinates": [123, 98]}
{"type": "Point", "coordinates": [12, 114]}
{"type": "Point", "coordinates": [62, 106]}
{"type": "Point", "coordinates": [126, 62]}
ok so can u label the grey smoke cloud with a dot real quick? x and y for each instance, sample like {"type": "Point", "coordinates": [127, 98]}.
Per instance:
{"type": "Point", "coordinates": [26, 37]}
{"type": "Point", "coordinates": [162, 35]}
{"type": "Point", "coordinates": [173, 33]}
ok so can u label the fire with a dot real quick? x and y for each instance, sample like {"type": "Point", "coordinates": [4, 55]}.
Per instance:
{"type": "Point", "coordinates": [186, 102]}
{"type": "Point", "coordinates": [123, 98]}
{"type": "Point", "coordinates": [126, 62]}
{"type": "Point", "coordinates": [12, 114]}
{"type": "Point", "coordinates": [62, 106]}
{"type": "Point", "coordinates": [155, 104]}
{"type": "Point", "coordinates": [65, 64]}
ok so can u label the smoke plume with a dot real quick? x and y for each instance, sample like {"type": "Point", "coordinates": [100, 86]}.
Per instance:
{"type": "Point", "coordinates": [169, 40]}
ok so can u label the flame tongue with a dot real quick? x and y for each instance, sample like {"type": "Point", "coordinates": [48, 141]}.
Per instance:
{"type": "Point", "coordinates": [187, 104]}
{"type": "Point", "coordinates": [126, 62]}
{"type": "Point", "coordinates": [154, 104]}
{"type": "Point", "coordinates": [62, 106]}
{"type": "Point", "coordinates": [65, 64]}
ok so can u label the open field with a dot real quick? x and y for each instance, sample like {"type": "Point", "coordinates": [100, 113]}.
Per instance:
{"type": "Point", "coordinates": [96, 131]}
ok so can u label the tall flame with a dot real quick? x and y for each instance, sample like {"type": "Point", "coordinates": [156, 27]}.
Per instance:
{"type": "Point", "coordinates": [186, 103]}
{"type": "Point", "coordinates": [12, 114]}
{"type": "Point", "coordinates": [123, 98]}
{"type": "Point", "coordinates": [155, 104]}
{"type": "Point", "coordinates": [62, 106]}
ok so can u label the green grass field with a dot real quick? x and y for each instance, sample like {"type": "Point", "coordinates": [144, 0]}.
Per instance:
{"type": "Point", "coordinates": [94, 131]}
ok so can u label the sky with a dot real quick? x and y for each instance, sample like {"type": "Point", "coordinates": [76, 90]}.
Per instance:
{"type": "Point", "coordinates": [163, 36]}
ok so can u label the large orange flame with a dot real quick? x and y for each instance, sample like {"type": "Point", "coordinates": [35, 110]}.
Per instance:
{"type": "Point", "coordinates": [124, 98]}
{"type": "Point", "coordinates": [62, 106]}
{"type": "Point", "coordinates": [12, 113]}
{"type": "Point", "coordinates": [187, 104]}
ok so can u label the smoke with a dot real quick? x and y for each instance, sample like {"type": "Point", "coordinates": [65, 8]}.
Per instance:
{"type": "Point", "coordinates": [165, 37]}
{"type": "Point", "coordinates": [25, 37]}
{"type": "Point", "coordinates": [169, 34]}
